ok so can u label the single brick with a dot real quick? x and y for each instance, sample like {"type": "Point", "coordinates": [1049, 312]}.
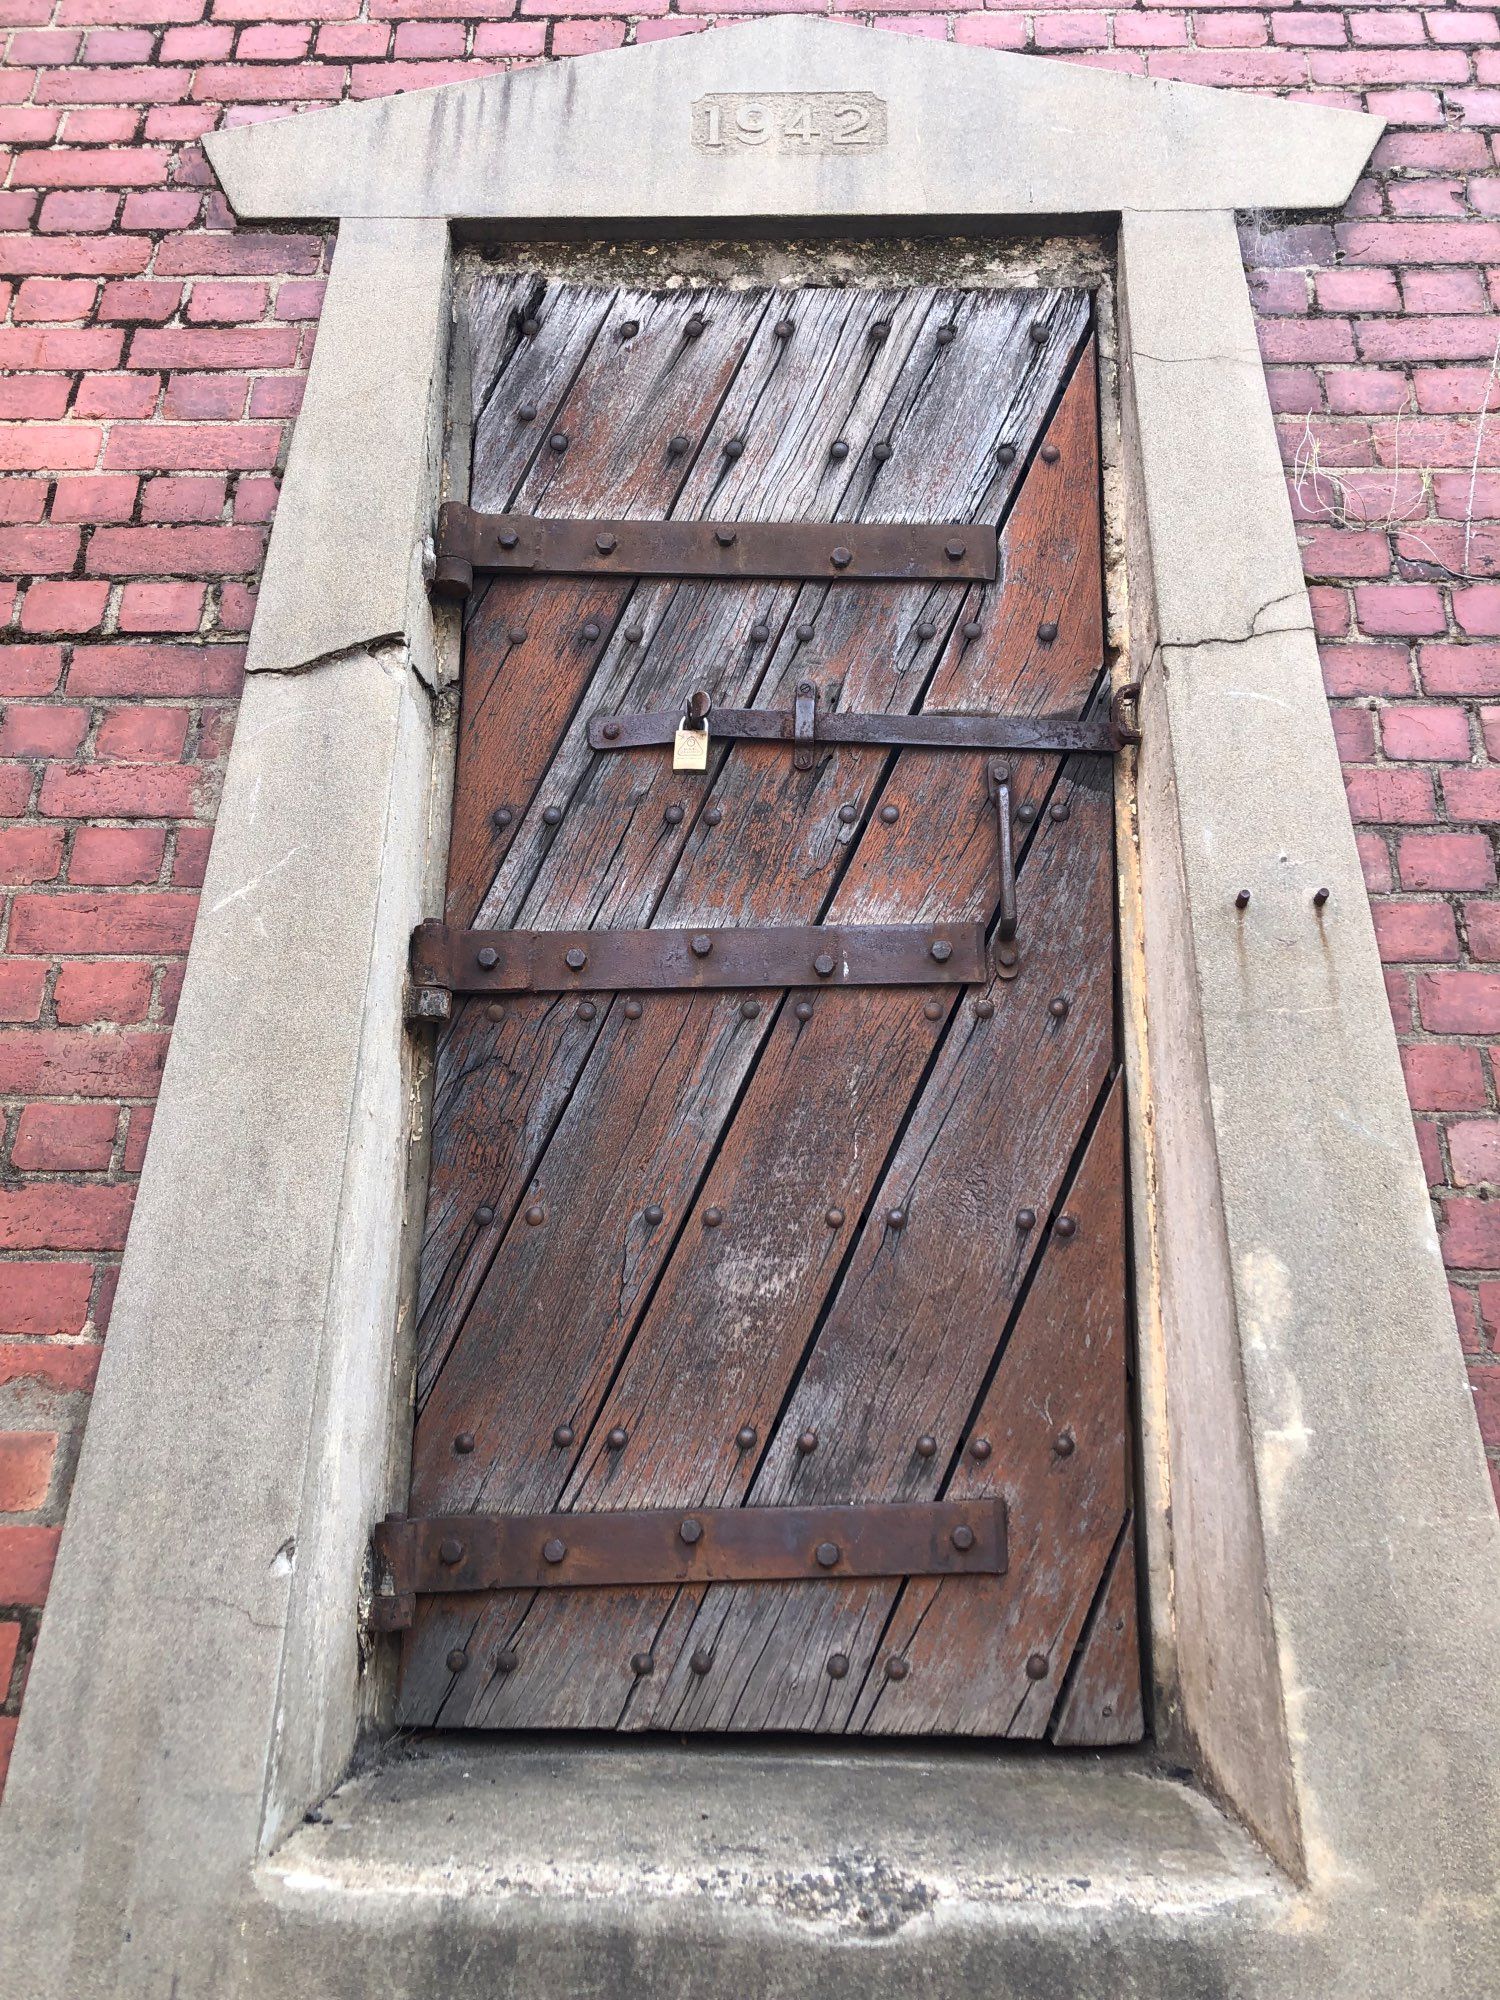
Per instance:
{"type": "Point", "coordinates": [167, 670]}
{"type": "Point", "coordinates": [1415, 933]}
{"type": "Point", "coordinates": [27, 1556]}
{"type": "Point", "coordinates": [29, 670]}
{"type": "Point", "coordinates": [1408, 609]}
{"type": "Point", "coordinates": [1472, 795]}
{"type": "Point", "coordinates": [1425, 734]}
{"type": "Point", "coordinates": [95, 497]}
{"type": "Point", "coordinates": [64, 607]}
{"type": "Point", "coordinates": [41, 730]}
{"type": "Point", "coordinates": [65, 1138]}
{"type": "Point", "coordinates": [127, 925]}
{"type": "Point", "coordinates": [111, 857]}
{"type": "Point", "coordinates": [22, 989]}
{"type": "Point", "coordinates": [172, 499]}
{"type": "Point", "coordinates": [161, 607]}
{"type": "Point", "coordinates": [143, 735]}
{"type": "Point", "coordinates": [93, 990]}
{"type": "Point", "coordinates": [1443, 1076]}
{"type": "Point", "coordinates": [42, 1301]}
{"type": "Point", "coordinates": [1459, 1003]}
{"type": "Point", "coordinates": [29, 854]}
{"type": "Point", "coordinates": [1445, 861]}
{"type": "Point", "coordinates": [1482, 927]}
{"type": "Point", "coordinates": [1474, 1148]}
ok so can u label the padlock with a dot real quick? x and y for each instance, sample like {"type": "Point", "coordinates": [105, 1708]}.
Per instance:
{"type": "Point", "coordinates": [690, 748]}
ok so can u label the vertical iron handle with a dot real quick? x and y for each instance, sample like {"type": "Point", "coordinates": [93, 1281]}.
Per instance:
{"type": "Point", "coordinates": [1000, 793]}
{"type": "Point", "coordinates": [804, 726]}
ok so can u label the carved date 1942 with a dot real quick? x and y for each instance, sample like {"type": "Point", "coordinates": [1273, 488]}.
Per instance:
{"type": "Point", "coordinates": [790, 121]}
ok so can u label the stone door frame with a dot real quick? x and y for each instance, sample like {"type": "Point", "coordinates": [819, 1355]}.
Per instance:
{"type": "Point", "coordinates": [1323, 1543]}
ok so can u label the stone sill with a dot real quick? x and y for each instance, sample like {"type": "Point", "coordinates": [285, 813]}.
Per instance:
{"type": "Point", "coordinates": [506, 1865]}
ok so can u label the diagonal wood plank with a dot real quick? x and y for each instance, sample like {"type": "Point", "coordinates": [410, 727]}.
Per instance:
{"type": "Point", "coordinates": [1102, 1700]}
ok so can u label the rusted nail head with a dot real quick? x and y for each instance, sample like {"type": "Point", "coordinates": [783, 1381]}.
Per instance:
{"type": "Point", "coordinates": [694, 326]}
{"type": "Point", "coordinates": [848, 814]}
{"type": "Point", "coordinates": [1320, 897]}
{"type": "Point", "coordinates": [926, 1447]}
{"type": "Point", "coordinates": [558, 440]}
{"type": "Point", "coordinates": [629, 328]}
{"type": "Point", "coordinates": [678, 445]}
{"type": "Point", "coordinates": [632, 1010]}
{"type": "Point", "coordinates": [585, 1010]}
{"type": "Point", "coordinates": [634, 635]}
{"type": "Point", "coordinates": [1039, 331]}
{"type": "Point", "coordinates": [702, 1660]}
{"type": "Point", "coordinates": [554, 1550]}
{"type": "Point", "coordinates": [880, 329]}
{"type": "Point", "coordinates": [933, 1009]}
{"type": "Point", "coordinates": [834, 1217]}
{"type": "Point", "coordinates": [654, 1212]}
{"type": "Point", "coordinates": [1006, 453]}
{"type": "Point", "coordinates": [746, 1436]}
{"type": "Point", "coordinates": [450, 1551]}
{"type": "Point", "coordinates": [803, 1010]}
{"type": "Point", "coordinates": [712, 1217]}
{"type": "Point", "coordinates": [1057, 1007]}
{"type": "Point", "coordinates": [673, 815]}
{"type": "Point", "coordinates": [926, 630]}
{"type": "Point", "coordinates": [484, 1214]}
{"type": "Point", "coordinates": [517, 635]}
{"type": "Point", "coordinates": [610, 731]}
{"type": "Point", "coordinates": [494, 1011]}
{"type": "Point", "coordinates": [827, 1554]}
{"type": "Point", "coordinates": [691, 1530]}
{"type": "Point", "coordinates": [526, 413]}
{"type": "Point", "coordinates": [1242, 900]}
{"type": "Point", "coordinates": [807, 1443]}
{"type": "Point", "coordinates": [946, 335]}
{"type": "Point", "coordinates": [552, 815]}
{"type": "Point", "coordinates": [458, 1659]}
{"type": "Point", "coordinates": [785, 328]}
{"type": "Point", "coordinates": [973, 629]}
{"type": "Point", "coordinates": [760, 631]}
{"type": "Point", "coordinates": [713, 816]}
{"type": "Point", "coordinates": [563, 1436]}
{"type": "Point", "coordinates": [536, 1215]}
{"type": "Point", "coordinates": [895, 1218]}
{"type": "Point", "coordinates": [464, 1443]}
{"type": "Point", "coordinates": [1047, 631]}
{"type": "Point", "coordinates": [591, 629]}
{"type": "Point", "coordinates": [1036, 1666]}
{"type": "Point", "coordinates": [1051, 453]}
{"type": "Point", "coordinates": [804, 633]}
{"type": "Point", "coordinates": [839, 448]}
{"type": "Point", "coordinates": [502, 816]}
{"type": "Point", "coordinates": [838, 1666]}
{"type": "Point", "coordinates": [506, 1660]}
{"type": "Point", "coordinates": [1025, 1219]}
{"type": "Point", "coordinates": [1026, 813]}
{"type": "Point", "coordinates": [531, 326]}
{"type": "Point", "coordinates": [882, 450]}
{"type": "Point", "coordinates": [641, 1664]}
{"type": "Point", "coordinates": [890, 814]}
{"type": "Point", "coordinates": [896, 1669]}
{"type": "Point", "coordinates": [618, 1438]}
{"type": "Point", "coordinates": [984, 1009]}
{"type": "Point", "coordinates": [1063, 1444]}
{"type": "Point", "coordinates": [1059, 809]}
{"type": "Point", "coordinates": [734, 447]}
{"type": "Point", "coordinates": [1066, 1226]}
{"type": "Point", "coordinates": [980, 1448]}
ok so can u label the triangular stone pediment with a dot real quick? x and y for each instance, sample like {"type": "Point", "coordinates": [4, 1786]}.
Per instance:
{"type": "Point", "coordinates": [795, 120]}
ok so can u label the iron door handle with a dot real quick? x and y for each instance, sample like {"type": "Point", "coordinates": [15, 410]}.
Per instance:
{"type": "Point", "coordinates": [999, 776]}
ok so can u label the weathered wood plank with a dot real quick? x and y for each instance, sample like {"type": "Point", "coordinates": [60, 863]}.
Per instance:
{"type": "Point", "coordinates": [1102, 1701]}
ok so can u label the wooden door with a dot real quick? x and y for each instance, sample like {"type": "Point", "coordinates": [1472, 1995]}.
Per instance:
{"type": "Point", "coordinates": [781, 1248]}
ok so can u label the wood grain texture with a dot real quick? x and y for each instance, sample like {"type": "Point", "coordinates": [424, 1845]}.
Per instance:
{"type": "Point", "coordinates": [1102, 1701]}
{"type": "Point", "coordinates": [576, 1304]}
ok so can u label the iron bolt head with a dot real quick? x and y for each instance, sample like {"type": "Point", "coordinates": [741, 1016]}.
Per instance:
{"type": "Point", "coordinates": [450, 1551]}
{"type": "Point", "coordinates": [458, 1659]}
{"type": "Point", "coordinates": [618, 1438]}
{"type": "Point", "coordinates": [702, 1659]}
{"type": "Point", "coordinates": [823, 965]}
{"type": "Point", "coordinates": [694, 326]}
{"type": "Point", "coordinates": [882, 451]}
{"type": "Point", "coordinates": [941, 950]}
{"type": "Point", "coordinates": [933, 1009]}
{"type": "Point", "coordinates": [654, 1213]}
{"type": "Point", "coordinates": [712, 1217]}
{"type": "Point", "coordinates": [896, 1669]}
{"type": "Point", "coordinates": [1051, 454]}
{"type": "Point", "coordinates": [576, 958]}
{"type": "Point", "coordinates": [509, 539]}
{"type": "Point", "coordinates": [805, 688]}
{"type": "Point", "coordinates": [1320, 897]}
{"type": "Point", "coordinates": [629, 328]}
{"type": "Point", "coordinates": [983, 1009]}
{"type": "Point", "coordinates": [760, 631]}
{"type": "Point", "coordinates": [1066, 1226]}
{"type": "Point", "coordinates": [536, 1215]}
{"type": "Point", "coordinates": [517, 635]}
{"type": "Point", "coordinates": [531, 326]}
{"type": "Point", "coordinates": [506, 1660]}
{"type": "Point", "coordinates": [1025, 1219]}
{"type": "Point", "coordinates": [973, 630]}
{"type": "Point", "coordinates": [890, 814]}
{"type": "Point", "coordinates": [585, 1010]}
{"type": "Point", "coordinates": [552, 815]}
{"type": "Point", "coordinates": [1039, 331]}
{"type": "Point", "coordinates": [673, 815]}
{"type": "Point", "coordinates": [926, 1447]}
{"type": "Point", "coordinates": [980, 1449]}
{"type": "Point", "coordinates": [502, 816]}
{"type": "Point", "coordinates": [1242, 900]}
{"type": "Point", "coordinates": [494, 1011]}
{"type": "Point", "coordinates": [926, 630]}
{"type": "Point", "coordinates": [848, 814]}
{"type": "Point", "coordinates": [880, 329]}
{"type": "Point", "coordinates": [484, 1214]}
{"type": "Point", "coordinates": [632, 1010]}
{"type": "Point", "coordinates": [591, 629]}
{"type": "Point", "coordinates": [785, 328]}
{"type": "Point", "coordinates": [804, 633]}
{"type": "Point", "coordinates": [1047, 631]}
{"type": "Point", "coordinates": [679, 445]}
{"type": "Point", "coordinates": [554, 1550]}
{"type": "Point", "coordinates": [946, 335]}
{"type": "Point", "coordinates": [634, 635]}
{"type": "Point", "coordinates": [749, 1009]}
{"type": "Point", "coordinates": [1036, 1666]}
{"type": "Point", "coordinates": [1026, 813]}
{"type": "Point", "coordinates": [641, 1664]}
{"type": "Point", "coordinates": [691, 1530]}
{"type": "Point", "coordinates": [838, 1666]}
{"type": "Point", "coordinates": [834, 1217]}
{"type": "Point", "coordinates": [803, 1010]}
{"type": "Point", "coordinates": [702, 945]}
{"type": "Point", "coordinates": [726, 537]}
{"type": "Point", "coordinates": [558, 440]}
{"type": "Point", "coordinates": [605, 544]}
{"type": "Point", "coordinates": [895, 1218]}
{"type": "Point", "coordinates": [1058, 1007]}
{"type": "Point", "coordinates": [488, 957]}
{"type": "Point", "coordinates": [807, 1443]}
{"type": "Point", "coordinates": [713, 816]}
{"type": "Point", "coordinates": [526, 413]}
{"type": "Point", "coordinates": [464, 1443]}
{"type": "Point", "coordinates": [746, 1437]}
{"type": "Point", "coordinates": [1064, 1444]}
{"type": "Point", "coordinates": [839, 448]}
{"type": "Point", "coordinates": [734, 447]}
{"type": "Point", "coordinates": [563, 1436]}
{"type": "Point", "coordinates": [1059, 809]}
{"type": "Point", "coordinates": [610, 731]}
{"type": "Point", "coordinates": [841, 558]}
{"type": "Point", "coordinates": [1006, 453]}
{"type": "Point", "coordinates": [827, 1554]}
{"type": "Point", "coordinates": [962, 1538]}
{"type": "Point", "coordinates": [954, 551]}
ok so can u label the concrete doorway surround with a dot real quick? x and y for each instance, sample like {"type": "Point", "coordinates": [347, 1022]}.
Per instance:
{"type": "Point", "coordinates": [1323, 1549]}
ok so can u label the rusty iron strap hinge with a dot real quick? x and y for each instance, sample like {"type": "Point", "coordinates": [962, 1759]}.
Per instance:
{"type": "Point", "coordinates": [468, 1552]}
{"type": "Point", "coordinates": [848, 551]}
{"type": "Point", "coordinates": [445, 959]}
{"type": "Point", "coordinates": [804, 726]}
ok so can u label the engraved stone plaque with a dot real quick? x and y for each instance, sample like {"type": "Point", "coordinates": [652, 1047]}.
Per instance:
{"type": "Point", "coordinates": [790, 121]}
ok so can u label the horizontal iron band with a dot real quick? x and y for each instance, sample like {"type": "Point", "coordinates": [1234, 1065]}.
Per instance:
{"type": "Point", "coordinates": [463, 1552]}
{"type": "Point", "coordinates": [854, 551]}
{"type": "Point", "coordinates": [642, 961]}
{"type": "Point", "coordinates": [894, 732]}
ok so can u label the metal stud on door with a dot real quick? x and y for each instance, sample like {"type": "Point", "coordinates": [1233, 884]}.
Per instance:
{"type": "Point", "coordinates": [775, 1065]}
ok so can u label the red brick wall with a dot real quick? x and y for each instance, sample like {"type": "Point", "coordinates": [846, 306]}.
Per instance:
{"type": "Point", "coordinates": [152, 356]}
